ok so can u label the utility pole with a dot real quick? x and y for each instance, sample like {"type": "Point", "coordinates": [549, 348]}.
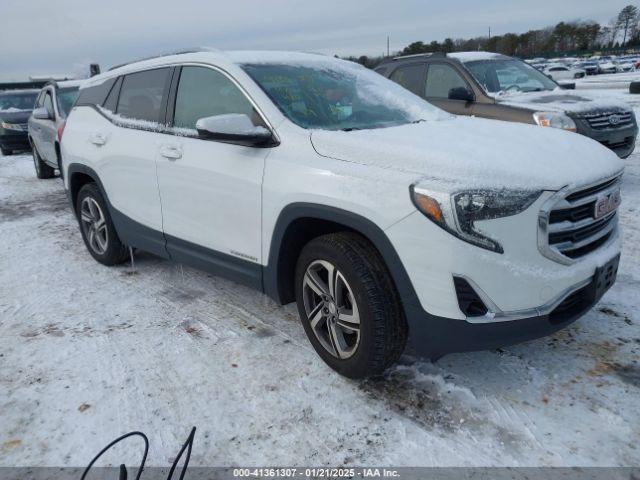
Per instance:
{"type": "Point", "coordinates": [387, 45]}
{"type": "Point", "coordinates": [489, 33]}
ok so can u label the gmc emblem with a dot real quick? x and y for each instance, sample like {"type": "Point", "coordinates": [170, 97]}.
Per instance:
{"type": "Point", "coordinates": [607, 203]}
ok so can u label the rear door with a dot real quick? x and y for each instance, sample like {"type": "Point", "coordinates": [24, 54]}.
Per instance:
{"type": "Point", "coordinates": [126, 146]}
{"type": "Point", "coordinates": [442, 78]}
{"type": "Point", "coordinates": [411, 77]}
{"type": "Point", "coordinates": [210, 190]}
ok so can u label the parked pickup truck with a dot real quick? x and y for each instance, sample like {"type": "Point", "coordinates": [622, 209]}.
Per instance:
{"type": "Point", "coordinates": [495, 86]}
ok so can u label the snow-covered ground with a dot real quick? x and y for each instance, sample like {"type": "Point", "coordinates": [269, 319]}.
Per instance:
{"type": "Point", "coordinates": [88, 353]}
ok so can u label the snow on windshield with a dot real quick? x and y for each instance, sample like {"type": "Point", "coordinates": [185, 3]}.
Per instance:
{"type": "Point", "coordinates": [330, 94]}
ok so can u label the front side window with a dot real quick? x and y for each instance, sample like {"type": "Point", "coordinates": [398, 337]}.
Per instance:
{"type": "Point", "coordinates": [441, 79]}
{"type": "Point", "coordinates": [142, 93]}
{"type": "Point", "coordinates": [507, 76]}
{"type": "Point", "coordinates": [410, 77]}
{"type": "Point", "coordinates": [66, 98]}
{"type": "Point", "coordinates": [337, 95]}
{"type": "Point", "coordinates": [204, 92]}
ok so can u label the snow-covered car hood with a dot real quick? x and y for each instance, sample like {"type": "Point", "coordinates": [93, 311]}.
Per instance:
{"type": "Point", "coordinates": [470, 152]}
{"type": "Point", "coordinates": [561, 101]}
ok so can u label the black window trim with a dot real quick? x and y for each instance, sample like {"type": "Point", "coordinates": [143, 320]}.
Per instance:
{"type": "Point", "coordinates": [169, 95]}
{"type": "Point", "coordinates": [455, 69]}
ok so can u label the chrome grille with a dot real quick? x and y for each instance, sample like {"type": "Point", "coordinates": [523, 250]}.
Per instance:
{"type": "Point", "coordinates": [602, 121]}
{"type": "Point", "coordinates": [567, 225]}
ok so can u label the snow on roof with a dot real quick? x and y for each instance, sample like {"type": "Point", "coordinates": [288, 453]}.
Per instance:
{"type": "Point", "coordinates": [473, 56]}
{"type": "Point", "coordinates": [70, 83]}
{"type": "Point", "coordinates": [278, 56]}
{"type": "Point", "coordinates": [220, 58]}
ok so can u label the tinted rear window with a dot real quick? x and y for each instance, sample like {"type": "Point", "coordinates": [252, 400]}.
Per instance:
{"type": "Point", "coordinates": [142, 93]}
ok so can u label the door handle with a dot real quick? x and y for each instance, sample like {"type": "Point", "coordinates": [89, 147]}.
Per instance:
{"type": "Point", "coordinates": [98, 139]}
{"type": "Point", "coordinates": [172, 153]}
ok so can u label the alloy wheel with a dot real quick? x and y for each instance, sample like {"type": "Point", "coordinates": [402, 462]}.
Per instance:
{"type": "Point", "coordinates": [94, 225]}
{"type": "Point", "coordinates": [331, 309]}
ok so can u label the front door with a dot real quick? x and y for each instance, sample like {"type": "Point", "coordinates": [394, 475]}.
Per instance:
{"type": "Point", "coordinates": [211, 191]}
{"type": "Point", "coordinates": [442, 78]}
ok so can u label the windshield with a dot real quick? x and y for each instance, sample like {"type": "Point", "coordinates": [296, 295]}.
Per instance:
{"type": "Point", "coordinates": [66, 99]}
{"type": "Point", "coordinates": [17, 101]}
{"type": "Point", "coordinates": [335, 95]}
{"type": "Point", "coordinates": [508, 76]}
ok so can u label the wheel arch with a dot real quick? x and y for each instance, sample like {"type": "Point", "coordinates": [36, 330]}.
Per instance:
{"type": "Point", "coordinates": [80, 175]}
{"type": "Point", "coordinates": [299, 223]}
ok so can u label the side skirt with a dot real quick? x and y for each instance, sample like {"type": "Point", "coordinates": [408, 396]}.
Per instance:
{"type": "Point", "coordinates": [215, 262]}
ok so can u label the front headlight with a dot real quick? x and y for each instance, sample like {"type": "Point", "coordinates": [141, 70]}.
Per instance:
{"type": "Point", "coordinates": [555, 120]}
{"type": "Point", "coordinates": [457, 212]}
{"type": "Point", "coordinates": [10, 126]}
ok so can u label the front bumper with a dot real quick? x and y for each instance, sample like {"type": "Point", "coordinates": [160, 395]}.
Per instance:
{"type": "Point", "coordinates": [621, 140]}
{"type": "Point", "coordinates": [433, 337]}
{"type": "Point", "coordinates": [14, 140]}
{"type": "Point", "coordinates": [526, 292]}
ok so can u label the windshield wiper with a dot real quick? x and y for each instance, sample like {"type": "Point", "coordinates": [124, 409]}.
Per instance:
{"type": "Point", "coordinates": [419, 120]}
{"type": "Point", "coordinates": [350, 129]}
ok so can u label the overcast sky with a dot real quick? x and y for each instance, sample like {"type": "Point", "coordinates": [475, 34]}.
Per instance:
{"type": "Point", "coordinates": [63, 36]}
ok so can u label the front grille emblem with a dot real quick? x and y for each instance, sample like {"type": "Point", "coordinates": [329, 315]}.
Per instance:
{"type": "Point", "coordinates": [614, 119]}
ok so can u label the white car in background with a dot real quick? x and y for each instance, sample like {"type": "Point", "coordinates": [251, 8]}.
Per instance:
{"type": "Point", "coordinates": [608, 66]}
{"type": "Point", "coordinates": [559, 72]}
{"type": "Point", "coordinates": [318, 181]}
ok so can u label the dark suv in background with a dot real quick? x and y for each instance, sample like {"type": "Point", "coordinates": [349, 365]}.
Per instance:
{"type": "Point", "coordinates": [47, 123]}
{"type": "Point", "coordinates": [15, 108]}
{"type": "Point", "coordinates": [495, 86]}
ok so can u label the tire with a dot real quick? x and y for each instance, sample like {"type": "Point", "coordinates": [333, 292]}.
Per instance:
{"type": "Point", "coordinates": [96, 226]}
{"type": "Point", "coordinates": [363, 288]}
{"type": "Point", "coordinates": [6, 152]}
{"type": "Point", "coordinates": [634, 88]}
{"type": "Point", "coordinates": [43, 170]}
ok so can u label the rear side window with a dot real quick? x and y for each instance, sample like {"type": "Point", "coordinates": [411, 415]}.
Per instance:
{"type": "Point", "coordinates": [142, 93]}
{"type": "Point", "coordinates": [203, 92]}
{"type": "Point", "coordinates": [441, 79]}
{"type": "Point", "coordinates": [96, 94]}
{"type": "Point", "coordinates": [410, 77]}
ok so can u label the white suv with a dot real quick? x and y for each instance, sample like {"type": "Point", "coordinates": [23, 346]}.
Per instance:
{"type": "Point", "coordinates": [318, 181]}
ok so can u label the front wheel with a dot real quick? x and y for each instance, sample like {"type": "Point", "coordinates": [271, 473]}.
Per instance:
{"type": "Point", "coordinates": [349, 306]}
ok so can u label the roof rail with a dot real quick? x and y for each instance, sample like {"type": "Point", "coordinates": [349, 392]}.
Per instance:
{"type": "Point", "coordinates": [417, 55]}
{"type": "Point", "coordinates": [165, 54]}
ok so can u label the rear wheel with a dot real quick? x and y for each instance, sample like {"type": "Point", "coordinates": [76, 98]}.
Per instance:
{"type": "Point", "coordinates": [97, 228]}
{"type": "Point", "coordinates": [42, 169]}
{"type": "Point", "coordinates": [349, 306]}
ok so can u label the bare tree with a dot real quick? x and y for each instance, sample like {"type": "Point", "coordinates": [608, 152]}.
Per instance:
{"type": "Point", "coordinates": [627, 18]}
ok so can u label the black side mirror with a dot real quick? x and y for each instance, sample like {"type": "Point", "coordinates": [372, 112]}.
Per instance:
{"type": "Point", "coordinates": [461, 93]}
{"type": "Point", "coordinates": [234, 128]}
